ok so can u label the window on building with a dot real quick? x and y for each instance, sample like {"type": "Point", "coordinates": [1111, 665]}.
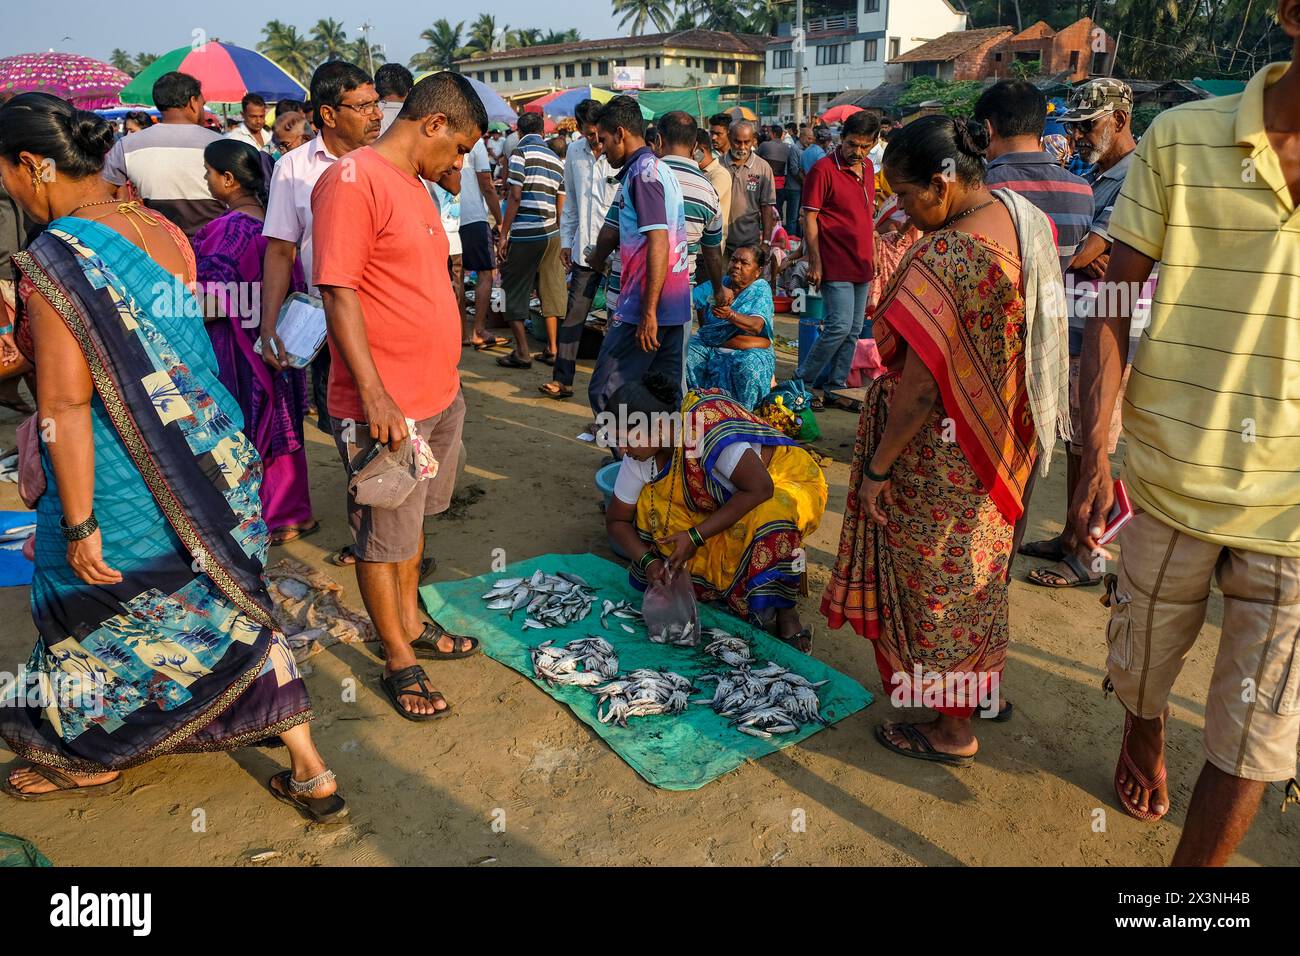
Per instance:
{"type": "Point", "coordinates": [894, 47]}
{"type": "Point", "coordinates": [557, 71]}
{"type": "Point", "coordinates": [829, 54]}
{"type": "Point", "coordinates": [647, 63]}
{"type": "Point", "coordinates": [710, 66]}
{"type": "Point", "coordinates": [568, 69]}
{"type": "Point", "coordinates": [997, 57]}
{"type": "Point", "coordinates": [1074, 60]}
{"type": "Point", "coordinates": [537, 73]}
{"type": "Point", "coordinates": [480, 76]}
{"type": "Point", "coordinates": [659, 62]}
{"type": "Point", "coordinates": [510, 76]}
{"type": "Point", "coordinates": [872, 6]}
{"type": "Point", "coordinates": [870, 51]}
{"type": "Point", "coordinates": [586, 68]}
{"type": "Point", "coordinates": [494, 76]}
{"type": "Point", "coordinates": [603, 68]}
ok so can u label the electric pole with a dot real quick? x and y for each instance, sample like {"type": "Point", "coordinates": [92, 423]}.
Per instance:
{"type": "Point", "coordinates": [797, 47]}
{"type": "Point", "coordinates": [365, 37]}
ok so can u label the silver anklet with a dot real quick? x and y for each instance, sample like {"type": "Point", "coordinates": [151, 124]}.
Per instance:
{"type": "Point", "coordinates": [307, 786]}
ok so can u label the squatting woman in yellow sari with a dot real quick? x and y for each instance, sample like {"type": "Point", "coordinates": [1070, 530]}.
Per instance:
{"type": "Point", "coordinates": [711, 489]}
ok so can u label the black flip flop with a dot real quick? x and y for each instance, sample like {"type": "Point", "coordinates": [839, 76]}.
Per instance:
{"type": "Point", "coordinates": [926, 750]}
{"type": "Point", "coordinates": [480, 346]}
{"type": "Point", "coordinates": [331, 809]}
{"type": "Point", "coordinates": [513, 361]}
{"type": "Point", "coordinates": [1003, 715]}
{"type": "Point", "coordinates": [1071, 561]}
{"type": "Point", "coordinates": [294, 534]}
{"type": "Point", "coordinates": [343, 557]}
{"type": "Point", "coordinates": [400, 684]}
{"type": "Point", "coordinates": [68, 788]}
{"type": "Point", "coordinates": [559, 394]}
{"type": "Point", "coordinates": [545, 358]}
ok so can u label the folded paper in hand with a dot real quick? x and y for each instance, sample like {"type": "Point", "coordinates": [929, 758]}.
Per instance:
{"type": "Point", "coordinates": [301, 328]}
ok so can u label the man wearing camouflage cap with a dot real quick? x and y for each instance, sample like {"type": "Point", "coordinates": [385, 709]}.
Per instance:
{"type": "Point", "coordinates": [1099, 121]}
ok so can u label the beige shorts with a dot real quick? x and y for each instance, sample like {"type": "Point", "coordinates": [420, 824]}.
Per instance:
{"type": "Point", "coordinates": [1158, 602]}
{"type": "Point", "coordinates": [1076, 415]}
{"type": "Point", "coordinates": [551, 287]}
{"type": "Point", "coordinates": [392, 535]}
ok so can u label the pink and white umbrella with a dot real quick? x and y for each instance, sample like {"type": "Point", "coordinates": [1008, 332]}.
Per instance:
{"type": "Point", "coordinates": [85, 82]}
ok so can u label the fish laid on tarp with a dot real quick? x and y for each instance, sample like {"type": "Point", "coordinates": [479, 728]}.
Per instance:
{"type": "Point", "coordinates": [548, 600]}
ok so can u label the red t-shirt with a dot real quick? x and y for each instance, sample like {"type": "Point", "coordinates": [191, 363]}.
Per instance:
{"type": "Point", "coordinates": [845, 208]}
{"type": "Point", "coordinates": [375, 229]}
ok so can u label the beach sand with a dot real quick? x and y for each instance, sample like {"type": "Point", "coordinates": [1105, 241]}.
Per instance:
{"type": "Point", "coordinates": [513, 778]}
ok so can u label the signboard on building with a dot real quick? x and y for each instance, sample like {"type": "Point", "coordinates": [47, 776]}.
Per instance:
{"type": "Point", "coordinates": [628, 78]}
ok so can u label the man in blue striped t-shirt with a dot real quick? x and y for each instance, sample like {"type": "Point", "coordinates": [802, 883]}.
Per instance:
{"type": "Point", "coordinates": [530, 239]}
{"type": "Point", "coordinates": [1015, 114]}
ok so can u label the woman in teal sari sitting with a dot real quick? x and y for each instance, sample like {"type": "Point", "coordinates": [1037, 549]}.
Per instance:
{"type": "Point", "coordinates": [732, 349]}
{"type": "Point", "coordinates": [155, 631]}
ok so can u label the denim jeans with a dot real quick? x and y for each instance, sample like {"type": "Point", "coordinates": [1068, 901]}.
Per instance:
{"type": "Point", "coordinates": [827, 363]}
{"type": "Point", "coordinates": [790, 198]}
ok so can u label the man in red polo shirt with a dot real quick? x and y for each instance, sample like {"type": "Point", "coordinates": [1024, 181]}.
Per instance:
{"type": "Point", "coordinates": [394, 337]}
{"type": "Point", "coordinates": [839, 201]}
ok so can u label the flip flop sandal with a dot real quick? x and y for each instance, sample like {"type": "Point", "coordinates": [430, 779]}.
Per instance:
{"type": "Point", "coordinates": [1049, 578]}
{"type": "Point", "coordinates": [817, 404]}
{"type": "Point", "coordinates": [513, 361]}
{"type": "Point", "coordinates": [794, 640]}
{"type": "Point", "coordinates": [285, 535]}
{"type": "Point", "coordinates": [1137, 776]}
{"type": "Point", "coordinates": [1048, 550]}
{"type": "Point", "coordinates": [412, 682]}
{"type": "Point", "coordinates": [489, 343]}
{"type": "Point", "coordinates": [921, 748]}
{"type": "Point", "coordinates": [68, 788]}
{"type": "Point", "coordinates": [342, 558]}
{"type": "Point", "coordinates": [426, 645]}
{"type": "Point", "coordinates": [559, 394]}
{"type": "Point", "coordinates": [546, 358]}
{"type": "Point", "coordinates": [331, 809]}
{"type": "Point", "coordinates": [1003, 715]}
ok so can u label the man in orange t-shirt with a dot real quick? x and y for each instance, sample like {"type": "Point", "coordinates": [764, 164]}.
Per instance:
{"type": "Point", "coordinates": [394, 336]}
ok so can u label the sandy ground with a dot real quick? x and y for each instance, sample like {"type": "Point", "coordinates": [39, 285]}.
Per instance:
{"type": "Point", "coordinates": [513, 778]}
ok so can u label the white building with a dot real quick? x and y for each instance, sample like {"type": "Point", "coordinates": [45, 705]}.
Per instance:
{"type": "Point", "coordinates": [684, 58]}
{"type": "Point", "coordinates": [848, 50]}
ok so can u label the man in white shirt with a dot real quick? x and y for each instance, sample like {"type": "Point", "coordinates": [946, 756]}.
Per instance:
{"type": "Point", "coordinates": [478, 203]}
{"type": "Point", "coordinates": [346, 110]}
{"type": "Point", "coordinates": [393, 83]}
{"type": "Point", "coordinates": [590, 184]}
{"type": "Point", "coordinates": [252, 128]}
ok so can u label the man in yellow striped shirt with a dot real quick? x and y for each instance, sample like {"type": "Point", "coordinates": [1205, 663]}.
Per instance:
{"type": "Point", "coordinates": [1212, 415]}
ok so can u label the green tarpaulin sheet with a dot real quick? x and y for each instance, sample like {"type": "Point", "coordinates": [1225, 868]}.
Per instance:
{"type": "Point", "coordinates": [682, 752]}
{"type": "Point", "coordinates": [701, 103]}
{"type": "Point", "coordinates": [15, 851]}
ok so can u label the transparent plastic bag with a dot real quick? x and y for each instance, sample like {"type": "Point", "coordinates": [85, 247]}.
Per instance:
{"type": "Point", "coordinates": [671, 615]}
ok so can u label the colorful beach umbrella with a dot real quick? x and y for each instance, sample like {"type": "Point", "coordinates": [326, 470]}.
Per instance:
{"type": "Point", "coordinates": [838, 114]}
{"type": "Point", "coordinates": [562, 103]}
{"type": "Point", "coordinates": [742, 113]}
{"type": "Point", "coordinates": [85, 82]}
{"type": "Point", "coordinates": [498, 110]}
{"type": "Point", "coordinates": [225, 71]}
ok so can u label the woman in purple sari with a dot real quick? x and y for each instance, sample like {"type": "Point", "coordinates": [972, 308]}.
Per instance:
{"type": "Point", "coordinates": [229, 253]}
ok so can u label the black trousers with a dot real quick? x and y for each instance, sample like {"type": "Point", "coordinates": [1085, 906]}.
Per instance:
{"type": "Point", "coordinates": [583, 283]}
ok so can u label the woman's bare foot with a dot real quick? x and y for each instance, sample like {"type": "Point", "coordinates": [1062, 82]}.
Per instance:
{"type": "Point", "coordinates": [791, 630]}
{"type": "Point", "coordinates": [28, 780]}
{"type": "Point", "coordinates": [1146, 748]}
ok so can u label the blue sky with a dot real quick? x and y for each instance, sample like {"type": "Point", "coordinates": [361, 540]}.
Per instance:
{"type": "Point", "coordinates": [156, 26]}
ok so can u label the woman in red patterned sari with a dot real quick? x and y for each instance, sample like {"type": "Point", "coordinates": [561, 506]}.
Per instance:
{"type": "Point", "coordinates": [946, 441]}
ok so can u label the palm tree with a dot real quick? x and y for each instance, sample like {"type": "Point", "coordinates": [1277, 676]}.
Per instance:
{"type": "Point", "coordinates": [328, 39]}
{"type": "Point", "coordinates": [483, 33]}
{"type": "Point", "coordinates": [643, 12]}
{"type": "Point", "coordinates": [442, 47]}
{"type": "Point", "coordinates": [562, 36]}
{"type": "Point", "coordinates": [763, 18]}
{"type": "Point", "coordinates": [142, 61]}
{"type": "Point", "coordinates": [283, 44]}
{"type": "Point", "coordinates": [530, 36]}
{"type": "Point", "coordinates": [122, 60]}
{"type": "Point", "coordinates": [355, 52]}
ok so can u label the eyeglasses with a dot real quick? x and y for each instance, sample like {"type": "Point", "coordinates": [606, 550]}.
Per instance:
{"type": "Point", "coordinates": [362, 108]}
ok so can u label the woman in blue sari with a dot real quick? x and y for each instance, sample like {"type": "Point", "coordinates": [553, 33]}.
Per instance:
{"type": "Point", "coordinates": [732, 350]}
{"type": "Point", "coordinates": [155, 628]}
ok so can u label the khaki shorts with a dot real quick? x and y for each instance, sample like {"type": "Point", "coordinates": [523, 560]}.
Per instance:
{"type": "Point", "coordinates": [551, 287]}
{"type": "Point", "coordinates": [392, 535]}
{"type": "Point", "coordinates": [1158, 602]}
{"type": "Point", "coordinates": [1076, 415]}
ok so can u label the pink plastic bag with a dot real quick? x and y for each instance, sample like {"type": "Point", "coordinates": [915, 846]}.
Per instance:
{"type": "Point", "coordinates": [31, 476]}
{"type": "Point", "coordinates": [671, 615]}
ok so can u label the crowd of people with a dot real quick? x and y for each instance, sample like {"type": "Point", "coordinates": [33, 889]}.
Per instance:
{"type": "Point", "coordinates": [1006, 298]}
